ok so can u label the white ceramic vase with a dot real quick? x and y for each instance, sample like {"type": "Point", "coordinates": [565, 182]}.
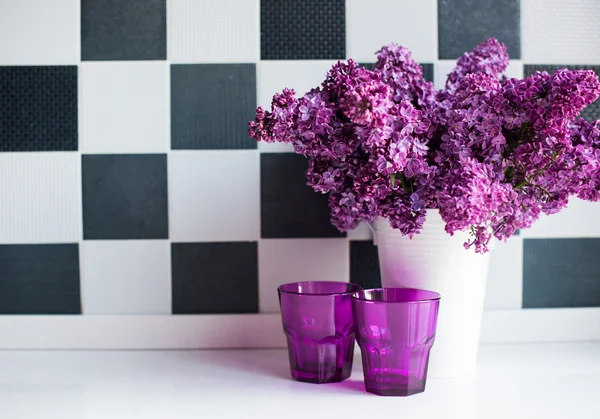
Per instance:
{"type": "Point", "coordinates": [434, 260]}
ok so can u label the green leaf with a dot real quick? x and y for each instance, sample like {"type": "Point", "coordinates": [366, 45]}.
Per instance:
{"type": "Point", "coordinates": [393, 178]}
{"type": "Point", "coordinates": [509, 172]}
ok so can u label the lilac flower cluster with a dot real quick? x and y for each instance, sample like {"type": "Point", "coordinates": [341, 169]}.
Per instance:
{"type": "Point", "coordinates": [490, 154]}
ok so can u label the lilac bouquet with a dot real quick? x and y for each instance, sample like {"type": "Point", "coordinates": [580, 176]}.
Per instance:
{"type": "Point", "coordinates": [490, 153]}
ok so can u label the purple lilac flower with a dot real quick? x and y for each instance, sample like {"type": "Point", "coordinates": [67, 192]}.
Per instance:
{"type": "Point", "coordinates": [491, 154]}
{"type": "Point", "coordinates": [404, 76]}
{"type": "Point", "coordinates": [583, 170]}
{"type": "Point", "coordinates": [489, 58]}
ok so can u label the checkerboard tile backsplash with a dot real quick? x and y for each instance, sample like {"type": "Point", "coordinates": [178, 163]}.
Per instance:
{"type": "Point", "coordinates": [128, 184]}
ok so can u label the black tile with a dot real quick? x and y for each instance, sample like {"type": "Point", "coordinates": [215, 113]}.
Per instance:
{"type": "Point", "coordinates": [214, 277]}
{"type": "Point", "coordinates": [368, 66]}
{"type": "Point", "coordinates": [590, 112]}
{"type": "Point", "coordinates": [38, 108]}
{"type": "Point", "coordinates": [364, 264]}
{"type": "Point", "coordinates": [125, 196]}
{"type": "Point", "coordinates": [561, 273]}
{"type": "Point", "coordinates": [211, 105]}
{"type": "Point", "coordinates": [427, 69]}
{"type": "Point", "coordinates": [123, 30]}
{"type": "Point", "coordinates": [290, 208]}
{"type": "Point", "coordinates": [462, 24]}
{"type": "Point", "coordinates": [302, 30]}
{"type": "Point", "coordinates": [39, 279]}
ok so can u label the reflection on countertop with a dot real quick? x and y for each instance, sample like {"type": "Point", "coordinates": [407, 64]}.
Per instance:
{"type": "Point", "coordinates": [526, 381]}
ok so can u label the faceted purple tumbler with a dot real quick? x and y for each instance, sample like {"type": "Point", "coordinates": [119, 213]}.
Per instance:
{"type": "Point", "coordinates": [395, 329]}
{"type": "Point", "coordinates": [317, 321]}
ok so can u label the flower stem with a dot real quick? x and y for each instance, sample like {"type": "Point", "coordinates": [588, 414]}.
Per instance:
{"type": "Point", "coordinates": [527, 181]}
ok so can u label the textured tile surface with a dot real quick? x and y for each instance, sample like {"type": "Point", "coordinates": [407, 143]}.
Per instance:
{"type": "Point", "coordinates": [123, 30]}
{"type": "Point", "coordinates": [126, 277]}
{"type": "Point", "coordinates": [302, 76]}
{"type": "Point", "coordinates": [504, 290]}
{"type": "Point", "coordinates": [40, 198]}
{"type": "Point", "coordinates": [442, 69]}
{"type": "Point", "coordinates": [364, 264]}
{"type": "Point", "coordinates": [362, 232]}
{"type": "Point", "coordinates": [211, 105]}
{"type": "Point", "coordinates": [462, 24]}
{"type": "Point", "coordinates": [515, 69]}
{"type": "Point", "coordinates": [226, 208]}
{"type": "Point", "coordinates": [302, 30]}
{"type": "Point", "coordinates": [159, 109]}
{"type": "Point", "coordinates": [290, 208]}
{"type": "Point", "coordinates": [214, 277]}
{"type": "Point", "coordinates": [592, 111]}
{"type": "Point", "coordinates": [561, 273]}
{"type": "Point", "coordinates": [428, 73]}
{"type": "Point", "coordinates": [213, 31]}
{"type": "Point", "coordinates": [39, 279]}
{"type": "Point", "coordinates": [577, 220]}
{"type": "Point", "coordinates": [125, 196]}
{"type": "Point", "coordinates": [281, 261]}
{"type": "Point", "coordinates": [124, 107]}
{"type": "Point", "coordinates": [561, 31]}
{"type": "Point", "coordinates": [38, 108]}
{"type": "Point", "coordinates": [405, 22]}
{"type": "Point", "coordinates": [367, 65]}
{"type": "Point", "coordinates": [47, 32]}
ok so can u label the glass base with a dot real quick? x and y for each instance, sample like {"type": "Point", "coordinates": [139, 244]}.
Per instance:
{"type": "Point", "coordinates": [322, 377]}
{"type": "Point", "coordinates": [327, 360]}
{"type": "Point", "coordinates": [395, 386]}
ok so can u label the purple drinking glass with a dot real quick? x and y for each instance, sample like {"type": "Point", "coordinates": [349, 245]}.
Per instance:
{"type": "Point", "coordinates": [317, 321]}
{"type": "Point", "coordinates": [395, 329]}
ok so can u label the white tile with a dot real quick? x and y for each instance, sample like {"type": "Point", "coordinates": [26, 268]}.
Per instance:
{"type": "Point", "coordinates": [441, 69]}
{"type": "Point", "coordinates": [39, 32]}
{"type": "Point", "coordinates": [560, 31]}
{"type": "Point", "coordinates": [214, 195]}
{"type": "Point", "coordinates": [41, 197]}
{"type": "Point", "coordinates": [372, 24]}
{"type": "Point", "coordinates": [514, 69]}
{"type": "Point", "coordinates": [302, 76]}
{"type": "Point", "coordinates": [281, 261]}
{"type": "Point", "coordinates": [274, 76]}
{"type": "Point", "coordinates": [505, 277]}
{"type": "Point", "coordinates": [124, 107]}
{"type": "Point", "coordinates": [275, 147]}
{"type": "Point", "coordinates": [213, 31]}
{"type": "Point", "coordinates": [579, 219]}
{"type": "Point", "coordinates": [362, 232]}
{"type": "Point", "coordinates": [126, 277]}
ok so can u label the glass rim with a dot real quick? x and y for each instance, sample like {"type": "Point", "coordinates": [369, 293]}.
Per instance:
{"type": "Point", "coordinates": [436, 296]}
{"type": "Point", "coordinates": [357, 287]}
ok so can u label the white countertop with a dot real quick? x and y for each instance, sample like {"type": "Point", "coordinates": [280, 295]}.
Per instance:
{"type": "Point", "coordinates": [513, 381]}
